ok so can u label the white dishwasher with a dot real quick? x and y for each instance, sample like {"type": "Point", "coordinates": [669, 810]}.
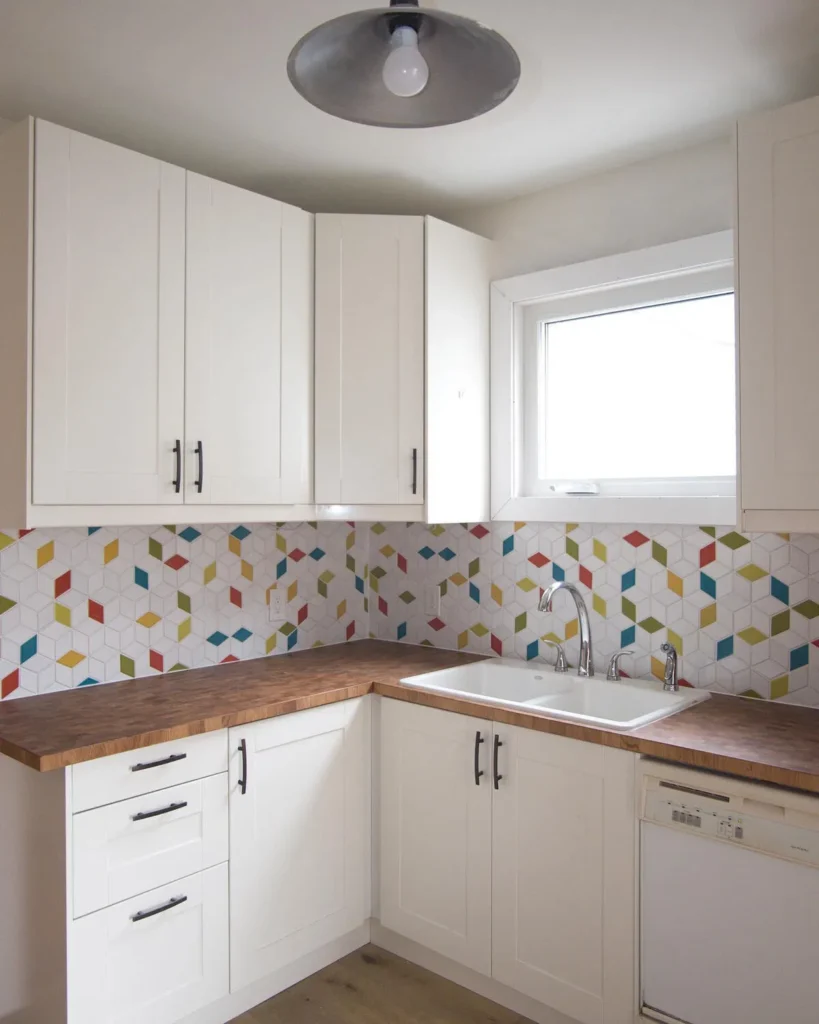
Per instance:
{"type": "Point", "coordinates": [729, 900]}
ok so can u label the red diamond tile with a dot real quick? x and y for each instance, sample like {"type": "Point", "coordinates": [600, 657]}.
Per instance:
{"type": "Point", "coordinates": [62, 583]}
{"type": "Point", "coordinates": [96, 611]}
{"type": "Point", "coordinates": [539, 560]}
{"type": "Point", "coordinates": [156, 661]}
{"type": "Point", "coordinates": [684, 682]}
{"type": "Point", "coordinates": [636, 539]}
{"type": "Point", "coordinates": [303, 612]}
{"type": "Point", "coordinates": [236, 597]}
{"type": "Point", "coordinates": [436, 624]}
{"type": "Point", "coordinates": [401, 562]}
{"type": "Point", "coordinates": [176, 562]}
{"type": "Point", "coordinates": [479, 531]}
{"type": "Point", "coordinates": [229, 658]}
{"type": "Point", "coordinates": [296, 555]}
{"type": "Point", "coordinates": [9, 683]}
{"type": "Point", "coordinates": [708, 555]}
{"type": "Point", "coordinates": [350, 630]}
{"type": "Point", "coordinates": [497, 645]}
{"type": "Point", "coordinates": [586, 577]}
{"type": "Point", "coordinates": [22, 533]}
{"type": "Point", "coordinates": [383, 607]}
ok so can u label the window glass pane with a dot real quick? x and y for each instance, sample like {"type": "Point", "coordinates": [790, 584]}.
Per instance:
{"type": "Point", "coordinates": [640, 393]}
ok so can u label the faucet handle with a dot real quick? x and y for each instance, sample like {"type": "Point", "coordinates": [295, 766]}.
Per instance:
{"type": "Point", "coordinates": [613, 673]}
{"type": "Point", "coordinates": [670, 682]}
{"type": "Point", "coordinates": [561, 665]}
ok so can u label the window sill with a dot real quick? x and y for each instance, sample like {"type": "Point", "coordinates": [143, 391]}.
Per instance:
{"type": "Point", "coordinates": [668, 510]}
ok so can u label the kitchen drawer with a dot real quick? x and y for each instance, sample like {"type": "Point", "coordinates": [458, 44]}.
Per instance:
{"type": "Point", "coordinates": [152, 959]}
{"type": "Point", "coordinates": [135, 845]}
{"type": "Point", "coordinates": [134, 772]}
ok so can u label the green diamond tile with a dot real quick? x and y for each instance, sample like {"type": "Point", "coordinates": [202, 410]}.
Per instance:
{"type": "Point", "coordinates": [5, 540]}
{"type": "Point", "coordinates": [154, 548]}
{"type": "Point", "coordinates": [659, 553]}
{"type": "Point", "coordinates": [5, 604]}
{"type": "Point", "coordinates": [676, 640]}
{"type": "Point", "coordinates": [479, 629]}
{"type": "Point", "coordinates": [752, 635]}
{"type": "Point", "coordinates": [779, 687]}
{"type": "Point", "coordinates": [752, 572]}
{"type": "Point", "coordinates": [437, 530]}
{"type": "Point", "coordinates": [474, 567]}
{"type": "Point", "coordinates": [752, 694]}
{"type": "Point", "coordinates": [378, 528]}
{"type": "Point", "coordinates": [287, 629]}
{"type": "Point", "coordinates": [651, 625]}
{"type": "Point", "coordinates": [350, 563]}
{"type": "Point", "coordinates": [407, 597]}
{"type": "Point", "coordinates": [810, 609]}
{"type": "Point", "coordinates": [710, 530]}
{"type": "Point", "coordinates": [734, 540]}
{"type": "Point", "coordinates": [328, 577]}
{"type": "Point", "coordinates": [127, 666]}
{"type": "Point", "coordinates": [378, 572]}
{"type": "Point", "coordinates": [527, 585]}
{"type": "Point", "coordinates": [520, 622]}
{"type": "Point", "coordinates": [183, 602]}
{"type": "Point", "coordinates": [780, 623]}
{"type": "Point", "coordinates": [629, 609]}
{"type": "Point", "coordinates": [572, 549]}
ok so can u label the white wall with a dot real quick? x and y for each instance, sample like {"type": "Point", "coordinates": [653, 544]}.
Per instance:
{"type": "Point", "coordinates": [679, 195]}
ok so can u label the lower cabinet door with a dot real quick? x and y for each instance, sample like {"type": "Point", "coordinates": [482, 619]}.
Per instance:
{"type": "Point", "coordinates": [563, 903]}
{"type": "Point", "coordinates": [436, 830]}
{"type": "Point", "coordinates": [152, 959]}
{"type": "Point", "coordinates": [299, 835]}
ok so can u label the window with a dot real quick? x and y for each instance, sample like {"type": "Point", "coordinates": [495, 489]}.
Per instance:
{"type": "Point", "coordinates": [621, 394]}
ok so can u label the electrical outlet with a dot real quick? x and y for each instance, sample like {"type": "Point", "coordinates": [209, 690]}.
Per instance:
{"type": "Point", "coordinates": [432, 600]}
{"type": "Point", "coordinates": [277, 609]}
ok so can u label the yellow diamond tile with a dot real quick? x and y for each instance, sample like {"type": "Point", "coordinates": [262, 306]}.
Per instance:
{"type": "Point", "coordinates": [751, 635]}
{"type": "Point", "coordinates": [497, 594]}
{"type": "Point", "coordinates": [600, 551]}
{"type": "Point", "coordinates": [247, 570]}
{"type": "Point", "coordinates": [708, 615]}
{"type": "Point", "coordinates": [71, 659]}
{"type": "Point", "coordinates": [599, 605]}
{"type": "Point", "coordinates": [5, 540]}
{"type": "Point", "coordinates": [553, 637]}
{"type": "Point", "coordinates": [62, 614]}
{"type": "Point", "coordinates": [341, 610]}
{"type": "Point", "coordinates": [674, 583]}
{"type": "Point", "coordinates": [387, 551]}
{"type": "Point", "coordinates": [281, 543]}
{"type": "Point", "coordinates": [779, 687]}
{"type": "Point", "coordinates": [658, 668]}
{"type": "Point", "coordinates": [110, 551]}
{"type": "Point", "coordinates": [45, 554]}
{"type": "Point", "coordinates": [183, 629]}
{"type": "Point", "coordinates": [571, 629]}
{"type": "Point", "coordinates": [149, 619]}
{"type": "Point", "coordinates": [293, 590]}
{"type": "Point", "coordinates": [270, 644]}
{"type": "Point", "coordinates": [458, 579]}
{"type": "Point", "coordinates": [527, 585]}
{"type": "Point", "coordinates": [463, 639]}
{"type": "Point", "coordinates": [676, 640]}
{"type": "Point", "coordinates": [209, 574]}
{"type": "Point", "coordinates": [234, 545]}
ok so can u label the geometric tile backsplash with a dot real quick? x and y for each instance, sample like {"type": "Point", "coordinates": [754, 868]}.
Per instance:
{"type": "Point", "coordinates": [742, 610]}
{"type": "Point", "coordinates": [81, 606]}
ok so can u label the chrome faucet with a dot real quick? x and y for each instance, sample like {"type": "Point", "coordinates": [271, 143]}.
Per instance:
{"type": "Point", "coordinates": [585, 666]}
{"type": "Point", "coordinates": [670, 681]}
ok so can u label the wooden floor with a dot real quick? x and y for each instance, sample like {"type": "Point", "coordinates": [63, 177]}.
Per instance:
{"type": "Point", "coordinates": [371, 986]}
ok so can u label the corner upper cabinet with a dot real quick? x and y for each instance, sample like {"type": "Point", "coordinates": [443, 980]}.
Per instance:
{"type": "Point", "coordinates": [156, 339]}
{"type": "Point", "coordinates": [402, 365]}
{"type": "Point", "coordinates": [778, 257]}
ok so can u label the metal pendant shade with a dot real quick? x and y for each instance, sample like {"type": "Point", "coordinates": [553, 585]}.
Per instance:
{"type": "Point", "coordinates": [338, 67]}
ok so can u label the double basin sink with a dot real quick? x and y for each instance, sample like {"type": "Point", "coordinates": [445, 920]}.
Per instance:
{"type": "Point", "coordinates": [612, 705]}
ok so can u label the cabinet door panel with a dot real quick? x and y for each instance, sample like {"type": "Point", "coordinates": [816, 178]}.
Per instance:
{"type": "Point", "coordinates": [370, 313]}
{"type": "Point", "coordinates": [299, 836]}
{"type": "Point", "coordinates": [108, 362]}
{"type": "Point", "coordinates": [234, 345]}
{"type": "Point", "coordinates": [436, 831]}
{"type": "Point", "coordinates": [778, 244]}
{"type": "Point", "coordinates": [563, 875]}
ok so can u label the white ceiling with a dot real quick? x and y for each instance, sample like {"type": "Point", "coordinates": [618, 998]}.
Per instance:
{"type": "Point", "coordinates": [203, 83]}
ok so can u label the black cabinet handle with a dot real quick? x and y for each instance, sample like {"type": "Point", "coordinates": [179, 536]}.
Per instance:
{"type": "Point", "coordinates": [414, 470]}
{"type": "Point", "coordinates": [199, 452]}
{"type": "Point", "coordinates": [157, 764]}
{"type": "Point", "coordinates": [162, 810]}
{"type": "Point", "coordinates": [478, 772]}
{"type": "Point", "coordinates": [177, 480]}
{"type": "Point", "coordinates": [243, 776]}
{"type": "Point", "coordinates": [495, 774]}
{"type": "Point", "coordinates": [144, 914]}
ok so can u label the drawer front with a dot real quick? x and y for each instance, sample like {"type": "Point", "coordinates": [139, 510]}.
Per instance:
{"type": "Point", "coordinates": [139, 962]}
{"type": "Point", "coordinates": [135, 845]}
{"type": "Point", "coordinates": [135, 772]}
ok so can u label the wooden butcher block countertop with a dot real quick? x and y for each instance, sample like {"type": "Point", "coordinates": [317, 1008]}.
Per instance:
{"type": "Point", "coordinates": [754, 739]}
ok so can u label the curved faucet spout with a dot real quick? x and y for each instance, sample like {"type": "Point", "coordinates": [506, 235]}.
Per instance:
{"type": "Point", "coordinates": [585, 666]}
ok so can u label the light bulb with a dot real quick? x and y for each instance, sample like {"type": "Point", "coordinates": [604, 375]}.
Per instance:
{"type": "Point", "coordinates": [406, 73]}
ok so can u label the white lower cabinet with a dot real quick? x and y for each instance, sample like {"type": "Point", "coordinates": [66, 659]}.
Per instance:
{"type": "Point", "coordinates": [436, 831]}
{"type": "Point", "coordinates": [157, 957]}
{"type": "Point", "coordinates": [299, 835]}
{"type": "Point", "coordinates": [524, 871]}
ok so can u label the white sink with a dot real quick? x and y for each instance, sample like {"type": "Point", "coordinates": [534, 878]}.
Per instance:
{"type": "Point", "coordinates": [542, 691]}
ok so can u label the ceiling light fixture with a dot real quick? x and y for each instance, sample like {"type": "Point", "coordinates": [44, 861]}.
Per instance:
{"type": "Point", "coordinates": [403, 67]}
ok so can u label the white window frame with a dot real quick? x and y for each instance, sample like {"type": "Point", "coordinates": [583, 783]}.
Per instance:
{"type": "Point", "coordinates": [692, 268]}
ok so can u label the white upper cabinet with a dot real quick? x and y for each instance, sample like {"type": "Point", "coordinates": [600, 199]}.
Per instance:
{"type": "Point", "coordinates": [248, 368]}
{"type": "Point", "coordinates": [778, 250]}
{"type": "Point", "coordinates": [402, 361]}
{"type": "Point", "coordinates": [108, 322]}
{"type": "Point", "coordinates": [156, 339]}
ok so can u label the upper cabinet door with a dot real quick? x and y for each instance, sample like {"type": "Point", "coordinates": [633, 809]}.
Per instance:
{"type": "Point", "coordinates": [370, 312]}
{"type": "Point", "coordinates": [778, 244]}
{"type": "Point", "coordinates": [238, 364]}
{"type": "Point", "coordinates": [108, 323]}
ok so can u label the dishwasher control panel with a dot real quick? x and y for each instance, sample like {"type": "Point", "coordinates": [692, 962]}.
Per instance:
{"type": "Point", "coordinates": [756, 824]}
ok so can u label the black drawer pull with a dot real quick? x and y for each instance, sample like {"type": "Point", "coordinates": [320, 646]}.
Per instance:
{"type": "Point", "coordinates": [495, 774]}
{"type": "Point", "coordinates": [414, 470]}
{"type": "Point", "coordinates": [162, 810]}
{"type": "Point", "coordinates": [478, 772]}
{"type": "Point", "coordinates": [177, 480]}
{"type": "Point", "coordinates": [199, 451]}
{"type": "Point", "coordinates": [157, 764]}
{"type": "Point", "coordinates": [175, 902]}
{"type": "Point", "coordinates": [243, 777]}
